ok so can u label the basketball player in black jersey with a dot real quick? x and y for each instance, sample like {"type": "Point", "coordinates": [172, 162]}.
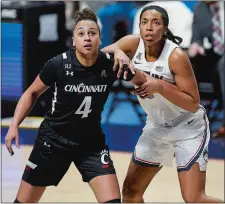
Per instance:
{"type": "Point", "coordinates": [71, 130]}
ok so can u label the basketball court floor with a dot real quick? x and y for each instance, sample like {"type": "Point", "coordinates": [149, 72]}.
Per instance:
{"type": "Point", "coordinates": [164, 188]}
{"type": "Point", "coordinates": [122, 135]}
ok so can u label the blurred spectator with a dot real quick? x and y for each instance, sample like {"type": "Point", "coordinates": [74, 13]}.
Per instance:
{"type": "Point", "coordinates": [94, 5]}
{"type": "Point", "coordinates": [117, 18]}
{"type": "Point", "coordinates": [180, 16]}
{"type": "Point", "coordinates": [208, 26]}
{"type": "Point", "coordinates": [190, 4]}
{"type": "Point", "coordinates": [71, 8]}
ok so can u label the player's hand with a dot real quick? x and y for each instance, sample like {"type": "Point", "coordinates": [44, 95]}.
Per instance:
{"type": "Point", "coordinates": [150, 87]}
{"type": "Point", "coordinates": [195, 49]}
{"type": "Point", "coordinates": [11, 135]}
{"type": "Point", "coordinates": [120, 59]}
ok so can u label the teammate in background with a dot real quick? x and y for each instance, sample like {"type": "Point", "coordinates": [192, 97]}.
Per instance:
{"type": "Point", "coordinates": [176, 122]}
{"type": "Point", "coordinates": [71, 130]}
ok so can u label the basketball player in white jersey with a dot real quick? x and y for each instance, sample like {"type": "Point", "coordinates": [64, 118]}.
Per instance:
{"type": "Point", "coordinates": [176, 123]}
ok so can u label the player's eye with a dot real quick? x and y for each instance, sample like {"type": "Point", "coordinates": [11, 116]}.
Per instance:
{"type": "Point", "coordinates": [80, 34]}
{"type": "Point", "coordinates": [156, 22]}
{"type": "Point", "coordinates": [144, 22]}
{"type": "Point", "coordinates": [92, 33]}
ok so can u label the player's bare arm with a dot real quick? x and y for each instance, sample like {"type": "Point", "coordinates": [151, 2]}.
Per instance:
{"type": "Point", "coordinates": [185, 94]}
{"type": "Point", "coordinates": [23, 108]}
{"type": "Point", "coordinates": [139, 78]}
{"type": "Point", "coordinates": [121, 49]}
{"type": "Point", "coordinates": [127, 44]}
{"type": "Point", "coordinates": [136, 79]}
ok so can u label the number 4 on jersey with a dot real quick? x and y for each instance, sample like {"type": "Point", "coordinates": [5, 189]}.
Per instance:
{"type": "Point", "coordinates": [86, 104]}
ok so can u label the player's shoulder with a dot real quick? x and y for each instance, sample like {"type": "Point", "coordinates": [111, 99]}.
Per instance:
{"type": "Point", "coordinates": [178, 53]}
{"type": "Point", "coordinates": [57, 60]}
{"type": "Point", "coordinates": [106, 58]}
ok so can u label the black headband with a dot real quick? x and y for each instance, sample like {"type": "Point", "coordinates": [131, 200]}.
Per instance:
{"type": "Point", "coordinates": [159, 9]}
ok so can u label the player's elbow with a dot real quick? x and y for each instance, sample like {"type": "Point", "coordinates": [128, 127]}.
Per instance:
{"type": "Point", "coordinates": [194, 102]}
{"type": "Point", "coordinates": [31, 94]}
{"type": "Point", "coordinates": [195, 106]}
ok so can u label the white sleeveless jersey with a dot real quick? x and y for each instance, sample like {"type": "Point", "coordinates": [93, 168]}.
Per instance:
{"type": "Point", "coordinates": [159, 110]}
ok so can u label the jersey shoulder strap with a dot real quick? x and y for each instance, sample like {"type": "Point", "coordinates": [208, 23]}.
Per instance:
{"type": "Point", "coordinates": [108, 56]}
{"type": "Point", "coordinates": [67, 61]}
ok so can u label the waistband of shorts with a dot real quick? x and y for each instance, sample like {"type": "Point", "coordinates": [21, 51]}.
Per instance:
{"type": "Point", "coordinates": [49, 133]}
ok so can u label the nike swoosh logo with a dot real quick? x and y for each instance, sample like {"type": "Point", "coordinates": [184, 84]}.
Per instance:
{"type": "Point", "coordinates": [189, 122]}
{"type": "Point", "coordinates": [136, 62]}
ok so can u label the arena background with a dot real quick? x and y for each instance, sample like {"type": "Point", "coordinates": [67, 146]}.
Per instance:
{"type": "Point", "coordinates": [28, 42]}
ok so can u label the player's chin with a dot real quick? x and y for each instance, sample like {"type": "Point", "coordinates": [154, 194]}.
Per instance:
{"type": "Point", "coordinates": [89, 51]}
{"type": "Point", "coordinates": [151, 42]}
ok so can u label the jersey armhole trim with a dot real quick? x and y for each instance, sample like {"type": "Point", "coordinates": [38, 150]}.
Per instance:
{"type": "Point", "coordinates": [132, 56]}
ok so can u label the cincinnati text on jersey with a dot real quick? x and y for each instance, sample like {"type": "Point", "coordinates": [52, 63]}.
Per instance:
{"type": "Point", "coordinates": [81, 88]}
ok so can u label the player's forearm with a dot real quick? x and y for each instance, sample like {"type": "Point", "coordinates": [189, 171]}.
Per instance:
{"type": "Point", "coordinates": [138, 79]}
{"type": "Point", "coordinates": [174, 95]}
{"type": "Point", "coordinates": [23, 108]}
{"type": "Point", "coordinates": [110, 49]}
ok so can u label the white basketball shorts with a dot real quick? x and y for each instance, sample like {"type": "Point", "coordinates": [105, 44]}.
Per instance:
{"type": "Point", "coordinates": [187, 141]}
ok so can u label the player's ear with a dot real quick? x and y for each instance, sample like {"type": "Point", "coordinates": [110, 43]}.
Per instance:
{"type": "Point", "coordinates": [165, 30]}
{"type": "Point", "coordinates": [73, 42]}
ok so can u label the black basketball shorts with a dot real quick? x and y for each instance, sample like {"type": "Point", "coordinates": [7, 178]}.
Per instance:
{"type": "Point", "coordinates": [48, 164]}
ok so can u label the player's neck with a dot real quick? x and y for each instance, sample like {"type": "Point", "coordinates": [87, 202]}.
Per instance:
{"type": "Point", "coordinates": [153, 52]}
{"type": "Point", "coordinates": [85, 60]}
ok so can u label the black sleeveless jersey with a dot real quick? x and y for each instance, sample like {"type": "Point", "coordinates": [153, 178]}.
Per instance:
{"type": "Point", "coordinates": [80, 94]}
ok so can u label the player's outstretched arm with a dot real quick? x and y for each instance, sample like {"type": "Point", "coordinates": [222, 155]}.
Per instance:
{"type": "Point", "coordinates": [23, 108]}
{"type": "Point", "coordinates": [121, 49]}
{"type": "Point", "coordinates": [137, 78]}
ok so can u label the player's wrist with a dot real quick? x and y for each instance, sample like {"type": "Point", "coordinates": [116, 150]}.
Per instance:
{"type": "Point", "coordinates": [14, 125]}
{"type": "Point", "coordinates": [160, 86]}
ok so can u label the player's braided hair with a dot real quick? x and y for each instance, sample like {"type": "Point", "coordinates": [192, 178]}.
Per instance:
{"type": "Point", "coordinates": [85, 14]}
{"type": "Point", "coordinates": [169, 35]}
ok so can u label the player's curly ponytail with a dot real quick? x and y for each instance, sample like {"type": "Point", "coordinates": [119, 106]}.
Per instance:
{"type": "Point", "coordinates": [85, 14]}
